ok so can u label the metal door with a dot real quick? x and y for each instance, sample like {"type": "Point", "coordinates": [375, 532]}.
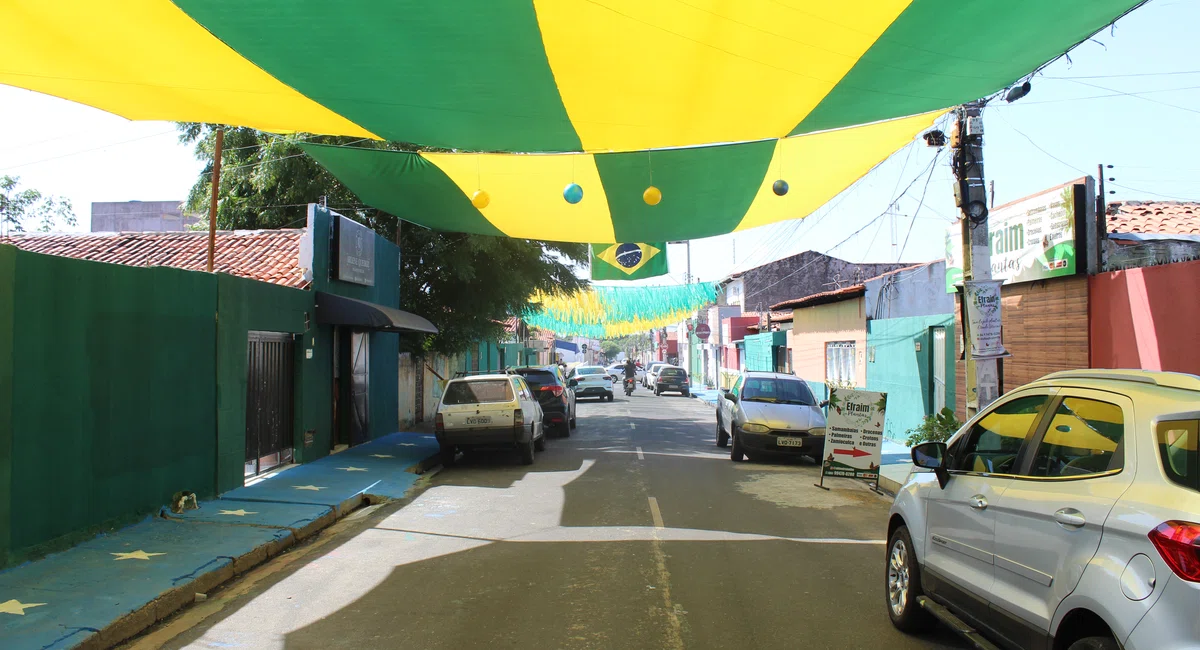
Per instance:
{"type": "Point", "coordinates": [360, 389]}
{"type": "Point", "coordinates": [939, 369]}
{"type": "Point", "coordinates": [270, 366]}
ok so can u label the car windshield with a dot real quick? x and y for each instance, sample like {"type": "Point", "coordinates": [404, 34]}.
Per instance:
{"type": "Point", "coordinates": [536, 377]}
{"type": "Point", "coordinates": [478, 392]}
{"type": "Point", "coordinates": [590, 370]}
{"type": "Point", "coordinates": [673, 372]}
{"type": "Point", "coordinates": [783, 391]}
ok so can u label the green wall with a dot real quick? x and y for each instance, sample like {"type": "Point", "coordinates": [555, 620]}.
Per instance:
{"type": "Point", "coordinates": [902, 372]}
{"type": "Point", "coordinates": [8, 259]}
{"type": "Point", "coordinates": [760, 350]}
{"type": "Point", "coordinates": [243, 306]}
{"type": "Point", "coordinates": [112, 403]}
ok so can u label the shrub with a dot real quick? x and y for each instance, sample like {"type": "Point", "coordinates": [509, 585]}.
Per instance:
{"type": "Point", "coordinates": [934, 428]}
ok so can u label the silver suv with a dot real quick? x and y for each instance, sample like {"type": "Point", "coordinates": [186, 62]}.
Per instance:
{"type": "Point", "coordinates": [1064, 516]}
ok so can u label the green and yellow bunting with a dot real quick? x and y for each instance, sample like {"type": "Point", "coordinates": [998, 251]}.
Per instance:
{"type": "Point", "coordinates": [628, 261]}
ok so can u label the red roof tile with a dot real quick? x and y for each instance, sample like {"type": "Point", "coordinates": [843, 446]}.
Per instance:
{"type": "Point", "coordinates": [266, 255]}
{"type": "Point", "coordinates": [822, 298]}
{"type": "Point", "coordinates": [1154, 217]}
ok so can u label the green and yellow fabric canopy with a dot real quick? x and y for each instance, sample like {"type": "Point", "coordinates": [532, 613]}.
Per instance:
{"type": "Point", "coordinates": [843, 82]}
{"type": "Point", "coordinates": [604, 312]}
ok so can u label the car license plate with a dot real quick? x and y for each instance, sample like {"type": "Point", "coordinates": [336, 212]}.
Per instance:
{"type": "Point", "coordinates": [787, 441]}
{"type": "Point", "coordinates": [482, 419]}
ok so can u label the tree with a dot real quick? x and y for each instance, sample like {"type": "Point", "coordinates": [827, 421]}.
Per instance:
{"type": "Point", "coordinates": [465, 284]}
{"type": "Point", "coordinates": [20, 206]}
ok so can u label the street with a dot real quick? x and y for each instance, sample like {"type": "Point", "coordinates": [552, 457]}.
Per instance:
{"type": "Point", "coordinates": [635, 532]}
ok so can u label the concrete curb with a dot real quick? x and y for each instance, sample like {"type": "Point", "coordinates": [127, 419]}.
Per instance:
{"type": "Point", "coordinates": [888, 485]}
{"type": "Point", "coordinates": [181, 596]}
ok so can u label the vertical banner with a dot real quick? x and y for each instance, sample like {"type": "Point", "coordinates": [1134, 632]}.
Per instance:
{"type": "Point", "coordinates": [854, 433]}
{"type": "Point", "coordinates": [983, 313]}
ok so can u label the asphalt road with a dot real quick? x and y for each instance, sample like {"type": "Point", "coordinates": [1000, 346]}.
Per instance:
{"type": "Point", "coordinates": [634, 532]}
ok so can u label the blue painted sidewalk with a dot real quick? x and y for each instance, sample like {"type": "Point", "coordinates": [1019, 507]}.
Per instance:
{"type": "Point", "coordinates": [107, 587]}
{"type": "Point", "coordinates": [708, 396]}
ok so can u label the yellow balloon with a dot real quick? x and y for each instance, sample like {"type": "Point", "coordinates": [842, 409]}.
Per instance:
{"type": "Point", "coordinates": [480, 199]}
{"type": "Point", "coordinates": [652, 195]}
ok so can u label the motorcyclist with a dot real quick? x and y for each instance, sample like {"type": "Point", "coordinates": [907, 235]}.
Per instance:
{"type": "Point", "coordinates": [630, 372]}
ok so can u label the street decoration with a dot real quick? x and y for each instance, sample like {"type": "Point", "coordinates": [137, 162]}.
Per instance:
{"type": "Point", "coordinates": [854, 433]}
{"type": "Point", "coordinates": [604, 312]}
{"type": "Point", "coordinates": [721, 92]}
{"type": "Point", "coordinates": [628, 261]}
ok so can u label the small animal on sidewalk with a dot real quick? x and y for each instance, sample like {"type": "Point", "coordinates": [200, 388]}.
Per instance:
{"type": "Point", "coordinates": [183, 500]}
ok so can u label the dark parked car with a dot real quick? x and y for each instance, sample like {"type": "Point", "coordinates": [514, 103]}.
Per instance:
{"type": "Point", "coordinates": [554, 394]}
{"type": "Point", "coordinates": [671, 378]}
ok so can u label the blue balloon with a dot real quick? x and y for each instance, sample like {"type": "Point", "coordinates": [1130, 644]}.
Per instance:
{"type": "Point", "coordinates": [573, 193]}
{"type": "Point", "coordinates": [780, 187]}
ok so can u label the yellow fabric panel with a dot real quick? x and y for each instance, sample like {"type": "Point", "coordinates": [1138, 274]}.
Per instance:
{"type": "Point", "coordinates": [147, 60]}
{"type": "Point", "coordinates": [723, 70]}
{"type": "Point", "coordinates": [527, 193]}
{"type": "Point", "coordinates": [819, 166]}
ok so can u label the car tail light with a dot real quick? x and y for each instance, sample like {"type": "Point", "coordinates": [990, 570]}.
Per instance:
{"type": "Point", "coordinates": [518, 419]}
{"type": "Point", "coordinates": [1178, 542]}
{"type": "Point", "coordinates": [439, 424]}
{"type": "Point", "coordinates": [556, 391]}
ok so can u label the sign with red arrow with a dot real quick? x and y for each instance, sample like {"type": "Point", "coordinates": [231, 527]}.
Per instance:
{"type": "Point", "coordinates": [854, 433]}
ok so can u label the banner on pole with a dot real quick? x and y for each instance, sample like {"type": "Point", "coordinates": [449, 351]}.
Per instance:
{"type": "Point", "coordinates": [983, 314]}
{"type": "Point", "coordinates": [854, 433]}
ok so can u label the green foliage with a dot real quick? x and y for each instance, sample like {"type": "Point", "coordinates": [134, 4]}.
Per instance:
{"type": "Point", "coordinates": [611, 350]}
{"type": "Point", "coordinates": [17, 207]}
{"type": "Point", "coordinates": [463, 283]}
{"type": "Point", "coordinates": [934, 428]}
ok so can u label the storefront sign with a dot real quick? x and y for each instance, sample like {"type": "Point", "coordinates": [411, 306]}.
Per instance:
{"type": "Point", "coordinates": [854, 433]}
{"type": "Point", "coordinates": [355, 252]}
{"type": "Point", "coordinates": [983, 313]}
{"type": "Point", "coordinates": [1030, 239]}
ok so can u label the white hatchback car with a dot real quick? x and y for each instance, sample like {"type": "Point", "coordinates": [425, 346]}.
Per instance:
{"type": "Point", "coordinates": [489, 411]}
{"type": "Point", "coordinates": [1064, 516]}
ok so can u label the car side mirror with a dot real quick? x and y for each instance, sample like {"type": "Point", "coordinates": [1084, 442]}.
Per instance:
{"type": "Point", "coordinates": [932, 455]}
{"type": "Point", "coordinates": [572, 382]}
{"type": "Point", "coordinates": [824, 403]}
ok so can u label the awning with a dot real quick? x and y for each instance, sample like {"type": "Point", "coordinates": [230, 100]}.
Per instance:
{"type": "Point", "coordinates": [339, 310]}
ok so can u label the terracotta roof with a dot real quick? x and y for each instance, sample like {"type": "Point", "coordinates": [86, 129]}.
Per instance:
{"type": "Point", "coordinates": [822, 298]}
{"type": "Point", "coordinates": [1154, 217]}
{"type": "Point", "coordinates": [266, 255]}
{"type": "Point", "coordinates": [775, 315]}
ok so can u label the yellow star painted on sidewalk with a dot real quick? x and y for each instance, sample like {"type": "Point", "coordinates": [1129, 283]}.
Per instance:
{"type": "Point", "coordinates": [407, 444]}
{"type": "Point", "coordinates": [17, 607]}
{"type": "Point", "coordinates": [236, 513]}
{"type": "Point", "coordinates": [382, 456]}
{"type": "Point", "coordinates": [311, 488]}
{"type": "Point", "coordinates": [353, 469]}
{"type": "Point", "coordinates": [136, 555]}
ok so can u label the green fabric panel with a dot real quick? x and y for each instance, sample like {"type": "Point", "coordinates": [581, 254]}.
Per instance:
{"type": "Point", "coordinates": [403, 184]}
{"type": "Point", "coordinates": [407, 70]}
{"type": "Point", "coordinates": [8, 259]}
{"type": "Point", "coordinates": [244, 305]}
{"type": "Point", "coordinates": [113, 412]}
{"type": "Point", "coordinates": [941, 53]}
{"type": "Point", "coordinates": [705, 190]}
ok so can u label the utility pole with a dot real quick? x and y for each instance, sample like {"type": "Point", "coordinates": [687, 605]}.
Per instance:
{"type": "Point", "coordinates": [970, 194]}
{"type": "Point", "coordinates": [212, 203]}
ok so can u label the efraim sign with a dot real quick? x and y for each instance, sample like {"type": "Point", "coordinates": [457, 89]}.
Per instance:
{"type": "Point", "coordinates": [1029, 239]}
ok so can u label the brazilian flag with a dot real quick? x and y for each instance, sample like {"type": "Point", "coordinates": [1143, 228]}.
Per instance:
{"type": "Point", "coordinates": [628, 261]}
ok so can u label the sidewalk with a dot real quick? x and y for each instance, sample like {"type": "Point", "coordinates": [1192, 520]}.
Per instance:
{"type": "Point", "coordinates": [115, 585]}
{"type": "Point", "coordinates": [709, 396]}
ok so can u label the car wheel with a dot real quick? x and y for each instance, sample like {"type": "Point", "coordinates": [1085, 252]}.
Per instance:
{"type": "Point", "coordinates": [686, 394]}
{"type": "Point", "coordinates": [1095, 643]}
{"type": "Point", "coordinates": [902, 585]}
{"type": "Point", "coordinates": [564, 430]}
{"type": "Point", "coordinates": [722, 437]}
{"type": "Point", "coordinates": [540, 443]}
{"type": "Point", "coordinates": [657, 392]}
{"type": "Point", "coordinates": [527, 453]}
{"type": "Point", "coordinates": [448, 453]}
{"type": "Point", "coordinates": [573, 423]}
{"type": "Point", "coordinates": [736, 453]}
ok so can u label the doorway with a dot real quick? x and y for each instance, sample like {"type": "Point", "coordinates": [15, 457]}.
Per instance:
{"type": "Point", "coordinates": [352, 388]}
{"type": "Point", "coordinates": [270, 400]}
{"type": "Point", "coordinates": [939, 369]}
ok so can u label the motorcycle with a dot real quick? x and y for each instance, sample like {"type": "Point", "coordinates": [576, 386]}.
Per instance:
{"type": "Point", "coordinates": [628, 386]}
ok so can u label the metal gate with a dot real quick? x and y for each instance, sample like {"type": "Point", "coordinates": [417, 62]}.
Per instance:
{"type": "Point", "coordinates": [270, 368]}
{"type": "Point", "coordinates": [360, 390]}
{"type": "Point", "coordinates": [419, 390]}
{"type": "Point", "coordinates": [939, 369]}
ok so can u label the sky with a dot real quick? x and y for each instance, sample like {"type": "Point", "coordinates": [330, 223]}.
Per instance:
{"type": "Point", "coordinates": [1130, 98]}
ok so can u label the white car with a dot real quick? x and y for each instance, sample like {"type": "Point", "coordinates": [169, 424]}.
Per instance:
{"type": "Point", "coordinates": [489, 411]}
{"type": "Point", "coordinates": [1066, 515]}
{"type": "Point", "coordinates": [652, 373]}
{"type": "Point", "coordinates": [591, 381]}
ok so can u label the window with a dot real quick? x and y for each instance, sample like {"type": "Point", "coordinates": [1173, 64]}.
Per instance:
{"type": "Point", "coordinates": [590, 370]}
{"type": "Point", "coordinates": [1177, 448]}
{"type": "Point", "coordinates": [840, 364]}
{"type": "Point", "coordinates": [782, 391]}
{"type": "Point", "coordinates": [1084, 437]}
{"type": "Point", "coordinates": [538, 377]}
{"type": "Point", "coordinates": [737, 386]}
{"type": "Point", "coordinates": [991, 446]}
{"type": "Point", "coordinates": [673, 372]}
{"type": "Point", "coordinates": [478, 392]}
